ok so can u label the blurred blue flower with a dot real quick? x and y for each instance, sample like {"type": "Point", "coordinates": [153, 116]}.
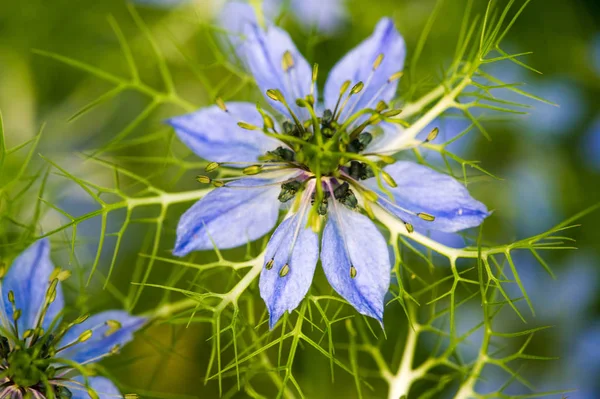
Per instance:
{"type": "Point", "coordinates": [319, 162]}
{"type": "Point", "coordinates": [544, 121]}
{"type": "Point", "coordinates": [591, 145]}
{"type": "Point", "coordinates": [535, 194]}
{"type": "Point", "coordinates": [324, 16]}
{"type": "Point", "coordinates": [565, 303]}
{"type": "Point", "coordinates": [596, 53]}
{"type": "Point", "coordinates": [163, 3]}
{"type": "Point", "coordinates": [38, 353]}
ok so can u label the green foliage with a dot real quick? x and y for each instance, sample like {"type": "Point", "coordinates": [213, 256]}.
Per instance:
{"type": "Point", "coordinates": [222, 294]}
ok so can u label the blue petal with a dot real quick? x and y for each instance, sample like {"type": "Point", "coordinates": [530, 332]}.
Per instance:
{"type": "Point", "coordinates": [263, 56]}
{"type": "Point", "coordinates": [213, 134]}
{"type": "Point", "coordinates": [297, 246]}
{"type": "Point", "coordinates": [104, 387]}
{"type": "Point", "coordinates": [421, 189]}
{"type": "Point", "coordinates": [357, 66]}
{"type": "Point", "coordinates": [229, 216]}
{"type": "Point", "coordinates": [29, 279]}
{"type": "Point", "coordinates": [233, 18]}
{"type": "Point", "coordinates": [100, 344]}
{"type": "Point", "coordinates": [351, 239]}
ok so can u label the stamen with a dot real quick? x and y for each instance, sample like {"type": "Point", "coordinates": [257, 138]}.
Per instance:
{"type": "Point", "coordinates": [276, 95]}
{"type": "Point", "coordinates": [425, 216]}
{"type": "Point", "coordinates": [381, 106]}
{"type": "Point", "coordinates": [390, 80]}
{"type": "Point", "coordinates": [352, 271]}
{"type": "Point", "coordinates": [432, 135]}
{"type": "Point", "coordinates": [409, 227]}
{"type": "Point", "coordinates": [269, 264]}
{"type": "Point", "coordinates": [376, 65]}
{"type": "Point", "coordinates": [248, 126]}
{"type": "Point", "coordinates": [357, 88]}
{"type": "Point", "coordinates": [395, 76]}
{"type": "Point", "coordinates": [113, 327]}
{"type": "Point", "coordinates": [388, 179]}
{"type": "Point", "coordinates": [315, 73]}
{"type": "Point", "coordinates": [221, 104]}
{"type": "Point", "coordinates": [252, 170]}
{"type": "Point", "coordinates": [84, 336]}
{"type": "Point", "coordinates": [203, 179]}
{"type": "Point", "coordinates": [378, 61]}
{"type": "Point", "coordinates": [284, 270]}
{"type": "Point", "coordinates": [211, 167]}
{"type": "Point", "coordinates": [343, 89]}
{"type": "Point", "coordinates": [287, 61]}
{"type": "Point", "coordinates": [392, 113]}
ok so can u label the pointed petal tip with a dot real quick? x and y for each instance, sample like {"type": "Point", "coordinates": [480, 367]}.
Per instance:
{"type": "Point", "coordinates": [274, 318]}
{"type": "Point", "coordinates": [180, 251]}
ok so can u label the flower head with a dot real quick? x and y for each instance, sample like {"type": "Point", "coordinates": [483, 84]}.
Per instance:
{"type": "Point", "coordinates": [328, 162]}
{"type": "Point", "coordinates": [41, 355]}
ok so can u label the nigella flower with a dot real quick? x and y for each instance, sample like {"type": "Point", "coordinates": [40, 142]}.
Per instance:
{"type": "Point", "coordinates": [326, 160]}
{"type": "Point", "coordinates": [42, 356]}
{"type": "Point", "coordinates": [324, 16]}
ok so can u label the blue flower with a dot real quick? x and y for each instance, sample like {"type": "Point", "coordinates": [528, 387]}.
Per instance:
{"type": "Point", "coordinates": [39, 353]}
{"type": "Point", "coordinates": [326, 160]}
{"type": "Point", "coordinates": [324, 16]}
{"type": "Point", "coordinates": [591, 145]}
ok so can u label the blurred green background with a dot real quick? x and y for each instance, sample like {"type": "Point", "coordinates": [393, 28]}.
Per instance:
{"type": "Point", "coordinates": [549, 160]}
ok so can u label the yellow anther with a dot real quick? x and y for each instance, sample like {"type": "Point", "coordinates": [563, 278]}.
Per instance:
{"type": "Point", "coordinates": [432, 135]}
{"type": "Point", "coordinates": [344, 87]}
{"type": "Point", "coordinates": [396, 76]}
{"type": "Point", "coordinates": [381, 106]}
{"type": "Point", "coordinates": [269, 264]}
{"type": "Point", "coordinates": [81, 319]}
{"type": "Point", "coordinates": [113, 327]}
{"type": "Point", "coordinates": [218, 183]}
{"type": "Point", "coordinates": [391, 113]}
{"type": "Point", "coordinates": [203, 179]}
{"type": "Point", "coordinates": [388, 179]}
{"type": "Point", "coordinates": [212, 167]}
{"type": "Point", "coordinates": [357, 88]}
{"type": "Point", "coordinates": [287, 61]}
{"type": "Point", "coordinates": [315, 72]}
{"type": "Point", "coordinates": [268, 121]}
{"type": "Point", "coordinates": [221, 104]}
{"type": "Point", "coordinates": [352, 271]}
{"type": "Point", "coordinates": [252, 170]}
{"type": "Point", "coordinates": [275, 95]}
{"type": "Point", "coordinates": [284, 270]}
{"type": "Point", "coordinates": [425, 216]}
{"type": "Point", "coordinates": [409, 227]}
{"type": "Point", "coordinates": [370, 195]}
{"type": "Point", "coordinates": [387, 159]}
{"type": "Point", "coordinates": [247, 126]}
{"type": "Point", "coordinates": [87, 334]}
{"type": "Point", "coordinates": [378, 61]}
